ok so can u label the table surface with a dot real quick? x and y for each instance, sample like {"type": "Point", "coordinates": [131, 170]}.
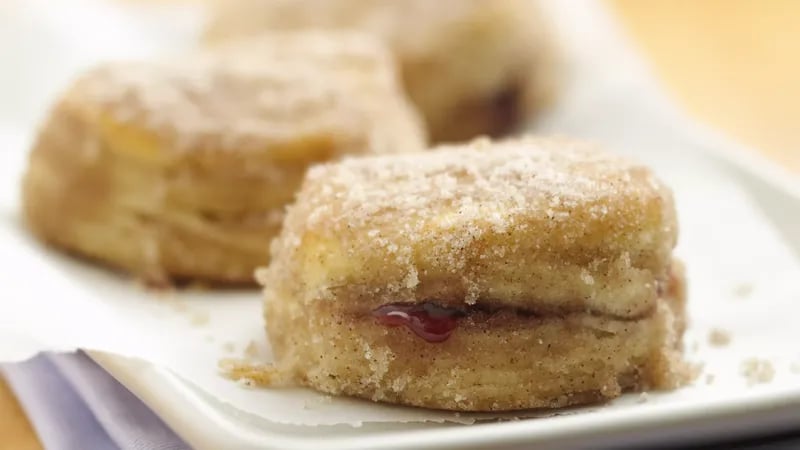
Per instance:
{"type": "Point", "coordinates": [734, 64]}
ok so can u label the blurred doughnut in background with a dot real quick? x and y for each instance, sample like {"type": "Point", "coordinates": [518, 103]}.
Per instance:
{"type": "Point", "coordinates": [472, 67]}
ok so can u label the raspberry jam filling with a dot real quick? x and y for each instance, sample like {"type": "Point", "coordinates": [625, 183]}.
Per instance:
{"type": "Point", "coordinates": [427, 320]}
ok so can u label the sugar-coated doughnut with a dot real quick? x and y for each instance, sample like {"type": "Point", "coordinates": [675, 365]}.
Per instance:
{"type": "Point", "coordinates": [490, 276]}
{"type": "Point", "coordinates": [181, 169]}
{"type": "Point", "coordinates": [472, 67]}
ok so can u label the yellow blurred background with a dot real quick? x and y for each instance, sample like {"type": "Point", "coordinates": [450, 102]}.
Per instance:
{"type": "Point", "coordinates": [734, 64]}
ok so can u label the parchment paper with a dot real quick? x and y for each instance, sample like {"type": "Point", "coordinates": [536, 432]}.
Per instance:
{"type": "Point", "coordinates": [743, 275]}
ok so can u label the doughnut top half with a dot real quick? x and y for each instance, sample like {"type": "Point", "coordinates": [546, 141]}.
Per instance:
{"type": "Point", "coordinates": [546, 225]}
{"type": "Point", "coordinates": [276, 98]}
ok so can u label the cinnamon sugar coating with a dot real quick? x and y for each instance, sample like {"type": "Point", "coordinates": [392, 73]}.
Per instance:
{"type": "Point", "coordinates": [182, 168]}
{"type": "Point", "coordinates": [540, 224]}
{"type": "Point", "coordinates": [330, 93]}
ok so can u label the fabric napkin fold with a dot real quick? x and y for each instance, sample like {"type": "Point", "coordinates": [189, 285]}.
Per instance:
{"type": "Point", "coordinates": [73, 403]}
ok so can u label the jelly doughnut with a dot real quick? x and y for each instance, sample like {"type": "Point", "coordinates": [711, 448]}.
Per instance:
{"type": "Point", "coordinates": [489, 276]}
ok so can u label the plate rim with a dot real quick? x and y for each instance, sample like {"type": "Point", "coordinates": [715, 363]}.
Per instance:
{"type": "Point", "coordinates": [205, 426]}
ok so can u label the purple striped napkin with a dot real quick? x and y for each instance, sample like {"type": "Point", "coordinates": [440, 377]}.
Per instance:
{"type": "Point", "coordinates": [72, 403]}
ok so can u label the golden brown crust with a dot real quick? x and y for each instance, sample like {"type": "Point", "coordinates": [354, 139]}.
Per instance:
{"type": "Point", "coordinates": [473, 67]}
{"type": "Point", "coordinates": [182, 169]}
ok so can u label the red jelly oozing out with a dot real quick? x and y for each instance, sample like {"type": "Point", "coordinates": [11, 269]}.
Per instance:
{"type": "Point", "coordinates": [427, 320]}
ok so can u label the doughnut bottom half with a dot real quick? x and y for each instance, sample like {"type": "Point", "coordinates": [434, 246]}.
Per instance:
{"type": "Point", "coordinates": [497, 360]}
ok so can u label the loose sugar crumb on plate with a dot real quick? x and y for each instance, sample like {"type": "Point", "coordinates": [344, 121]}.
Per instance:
{"type": "Point", "coordinates": [757, 371]}
{"type": "Point", "coordinates": [251, 351]}
{"type": "Point", "coordinates": [692, 371]}
{"type": "Point", "coordinates": [251, 374]}
{"type": "Point", "coordinates": [318, 401]}
{"type": "Point", "coordinates": [742, 290]}
{"type": "Point", "coordinates": [200, 318]}
{"type": "Point", "coordinates": [178, 305]}
{"type": "Point", "coordinates": [719, 338]}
